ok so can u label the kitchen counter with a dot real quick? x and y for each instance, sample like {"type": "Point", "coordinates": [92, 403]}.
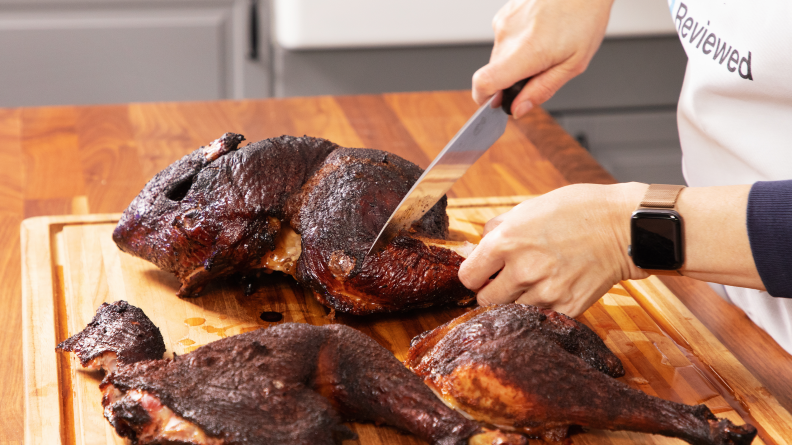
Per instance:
{"type": "Point", "coordinates": [95, 159]}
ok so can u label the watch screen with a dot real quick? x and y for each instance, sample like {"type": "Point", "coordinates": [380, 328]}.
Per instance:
{"type": "Point", "coordinates": [656, 240]}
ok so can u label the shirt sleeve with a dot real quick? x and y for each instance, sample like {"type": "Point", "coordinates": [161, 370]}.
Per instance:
{"type": "Point", "coordinates": [769, 222]}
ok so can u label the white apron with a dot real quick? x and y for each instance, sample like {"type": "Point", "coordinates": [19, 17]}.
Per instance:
{"type": "Point", "coordinates": [735, 112]}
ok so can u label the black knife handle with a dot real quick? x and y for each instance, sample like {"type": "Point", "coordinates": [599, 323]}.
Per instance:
{"type": "Point", "coordinates": [509, 94]}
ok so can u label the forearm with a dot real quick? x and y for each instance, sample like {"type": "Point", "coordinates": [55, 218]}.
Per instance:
{"type": "Point", "coordinates": [717, 247]}
{"type": "Point", "coordinates": [716, 234]}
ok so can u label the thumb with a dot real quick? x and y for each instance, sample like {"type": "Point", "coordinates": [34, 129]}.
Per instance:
{"type": "Point", "coordinates": [485, 83]}
{"type": "Point", "coordinates": [501, 73]}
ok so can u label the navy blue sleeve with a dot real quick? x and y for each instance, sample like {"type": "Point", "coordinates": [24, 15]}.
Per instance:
{"type": "Point", "coordinates": [769, 222]}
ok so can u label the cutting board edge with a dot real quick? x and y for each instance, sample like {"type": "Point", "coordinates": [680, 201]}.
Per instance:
{"type": "Point", "coordinates": [49, 221]}
{"type": "Point", "coordinates": [43, 415]}
{"type": "Point", "coordinates": [682, 325]}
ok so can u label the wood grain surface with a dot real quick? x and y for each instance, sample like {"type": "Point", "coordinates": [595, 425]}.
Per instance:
{"type": "Point", "coordinates": [666, 352]}
{"type": "Point", "coordinates": [94, 159]}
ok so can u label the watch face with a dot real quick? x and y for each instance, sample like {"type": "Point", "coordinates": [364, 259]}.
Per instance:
{"type": "Point", "coordinates": [657, 239]}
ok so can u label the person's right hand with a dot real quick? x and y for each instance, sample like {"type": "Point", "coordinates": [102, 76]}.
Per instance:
{"type": "Point", "coordinates": [551, 40]}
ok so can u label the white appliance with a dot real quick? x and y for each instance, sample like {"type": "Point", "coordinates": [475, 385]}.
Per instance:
{"type": "Point", "coordinates": [314, 24]}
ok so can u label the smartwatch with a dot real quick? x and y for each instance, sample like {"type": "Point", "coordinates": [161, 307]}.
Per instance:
{"type": "Point", "coordinates": [656, 230]}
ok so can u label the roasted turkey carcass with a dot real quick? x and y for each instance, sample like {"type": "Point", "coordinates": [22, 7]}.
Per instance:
{"type": "Point", "coordinates": [540, 372]}
{"type": "Point", "coordinates": [289, 384]}
{"type": "Point", "coordinates": [300, 205]}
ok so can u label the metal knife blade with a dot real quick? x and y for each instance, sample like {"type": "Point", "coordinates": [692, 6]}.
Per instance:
{"type": "Point", "coordinates": [473, 140]}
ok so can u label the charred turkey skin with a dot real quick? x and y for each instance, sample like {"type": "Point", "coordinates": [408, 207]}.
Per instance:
{"type": "Point", "coordinates": [340, 212]}
{"type": "Point", "coordinates": [217, 210]}
{"type": "Point", "coordinates": [250, 388]}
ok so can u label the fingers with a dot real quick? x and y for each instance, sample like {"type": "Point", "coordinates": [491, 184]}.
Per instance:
{"type": "Point", "coordinates": [511, 62]}
{"type": "Point", "coordinates": [500, 290]}
{"type": "Point", "coordinates": [477, 269]}
{"type": "Point", "coordinates": [543, 86]}
{"type": "Point", "coordinates": [503, 290]}
{"type": "Point", "coordinates": [490, 79]}
{"type": "Point", "coordinates": [548, 40]}
{"type": "Point", "coordinates": [483, 85]}
{"type": "Point", "coordinates": [571, 303]}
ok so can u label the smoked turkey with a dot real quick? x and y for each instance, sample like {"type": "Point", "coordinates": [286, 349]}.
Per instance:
{"type": "Point", "coordinates": [300, 205]}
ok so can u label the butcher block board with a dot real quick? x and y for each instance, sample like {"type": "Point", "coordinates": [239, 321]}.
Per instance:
{"type": "Point", "coordinates": [70, 266]}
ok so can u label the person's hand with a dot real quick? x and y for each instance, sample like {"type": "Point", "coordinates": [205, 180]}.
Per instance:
{"type": "Point", "coordinates": [551, 40]}
{"type": "Point", "coordinates": [562, 250]}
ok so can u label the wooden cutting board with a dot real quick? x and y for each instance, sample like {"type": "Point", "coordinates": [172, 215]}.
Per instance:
{"type": "Point", "coordinates": [70, 265]}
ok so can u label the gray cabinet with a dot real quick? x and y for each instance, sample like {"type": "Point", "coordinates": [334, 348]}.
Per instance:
{"type": "Point", "coordinates": [633, 145]}
{"type": "Point", "coordinates": [623, 108]}
{"type": "Point", "coordinates": [65, 52]}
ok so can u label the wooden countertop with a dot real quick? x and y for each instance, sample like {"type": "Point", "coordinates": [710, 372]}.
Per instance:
{"type": "Point", "coordinates": [95, 159]}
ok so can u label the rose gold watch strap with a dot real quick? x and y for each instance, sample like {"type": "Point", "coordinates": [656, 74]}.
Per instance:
{"type": "Point", "coordinates": [661, 196]}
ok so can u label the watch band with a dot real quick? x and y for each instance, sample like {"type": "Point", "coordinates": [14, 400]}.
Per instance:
{"type": "Point", "coordinates": [661, 196]}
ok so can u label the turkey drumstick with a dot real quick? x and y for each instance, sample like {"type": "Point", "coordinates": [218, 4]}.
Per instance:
{"type": "Point", "coordinates": [537, 371]}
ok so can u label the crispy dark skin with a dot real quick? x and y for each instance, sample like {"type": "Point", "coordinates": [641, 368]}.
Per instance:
{"type": "Point", "coordinates": [251, 388]}
{"type": "Point", "coordinates": [219, 211]}
{"type": "Point", "coordinates": [541, 372]}
{"type": "Point", "coordinates": [118, 328]}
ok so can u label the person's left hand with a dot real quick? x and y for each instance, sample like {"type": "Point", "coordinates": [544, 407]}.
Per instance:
{"type": "Point", "coordinates": [562, 250]}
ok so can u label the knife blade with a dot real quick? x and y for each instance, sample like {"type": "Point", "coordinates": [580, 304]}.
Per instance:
{"type": "Point", "coordinates": [465, 148]}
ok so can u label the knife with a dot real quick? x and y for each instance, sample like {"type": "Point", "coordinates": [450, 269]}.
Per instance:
{"type": "Point", "coordinates": [473, 140]}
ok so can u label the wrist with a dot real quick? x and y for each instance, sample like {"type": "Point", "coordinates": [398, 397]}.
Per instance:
{"type": "Point", "coordinates": [624, 199]}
